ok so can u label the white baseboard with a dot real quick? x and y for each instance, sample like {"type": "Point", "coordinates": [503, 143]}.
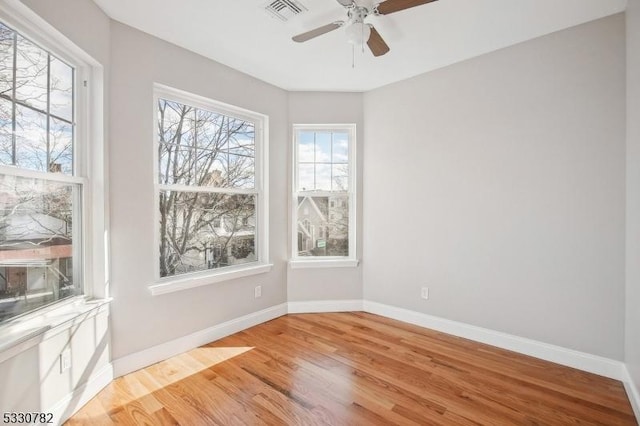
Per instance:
{"type": "Point", "coordinates": [632, 392]}
{"type": "Point", "coordinates": [580, 360]}
{"type": "Point", "coordinates": [138, 360]}
{"type": "Point", "coordinates": [568, 357]}
{"type": "Point", "coordinates": [71, 403]}
{"type": "Point", "coordinates": [317, 306]}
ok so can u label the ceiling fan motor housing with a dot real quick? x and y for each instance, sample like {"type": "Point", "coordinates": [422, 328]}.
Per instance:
{"type": "Point", "coordinates": [357, 14]}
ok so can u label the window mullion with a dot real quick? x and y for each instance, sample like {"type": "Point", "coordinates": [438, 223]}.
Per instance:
{"type": "Point", "coordinates": [13, 98]}
{"type": "Point", "coordinates": [32, 108]}
{"type": "Point", "coordinates": [207, 189]}
{"type": "Point", "coordinates": [74, 147]}
{"type": "Point", "coordinates": [322, 193]}
{"type": "Point", "coordinates": [194, 149]}
{"type": "Point", "coordinates": [35, 174]}
{"type": "Point", "coordinates": [48, 156]}
{"type": "Point", "coordinates": [331, 162]}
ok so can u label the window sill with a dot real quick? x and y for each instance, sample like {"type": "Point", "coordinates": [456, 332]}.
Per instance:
{"type": "Point", "coordinates": [21, 334]}
{"type": "Point", "coordinates": [196, 280]}
{"type": "Point", "coordinates": [323, 263]}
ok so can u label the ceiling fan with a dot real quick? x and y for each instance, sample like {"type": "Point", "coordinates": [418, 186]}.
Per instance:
{"type": "Point", "coordinates": [357, 30]}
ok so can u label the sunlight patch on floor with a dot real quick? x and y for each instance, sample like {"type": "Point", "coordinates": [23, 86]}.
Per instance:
{"type": "Point", "coordinates": [146, 381]}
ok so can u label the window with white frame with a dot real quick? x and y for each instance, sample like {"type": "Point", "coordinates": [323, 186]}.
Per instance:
{"type": "Point", "coordinates": [210, 185]}
{"type": "Point", "coordinates": [42, 178]}
{"type": "Point", "coordinates": [324, 192]}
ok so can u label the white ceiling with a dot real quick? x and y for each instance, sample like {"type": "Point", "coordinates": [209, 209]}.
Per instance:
{"type": "Point", "coordinates": [242, 35]}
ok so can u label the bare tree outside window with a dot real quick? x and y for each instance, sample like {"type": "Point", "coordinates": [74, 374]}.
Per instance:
{"type": "Point", "coordinates": [38, 214]}
{"type": "Point", "coordinates": [207, 197]}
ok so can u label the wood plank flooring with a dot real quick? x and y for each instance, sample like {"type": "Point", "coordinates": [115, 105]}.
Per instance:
{"type": "Point", "coordinates": [355, 369]}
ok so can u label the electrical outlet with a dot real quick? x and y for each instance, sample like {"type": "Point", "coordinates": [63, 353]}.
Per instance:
{"type": "Point", "coordinates": [258, 291]}
{"type": "Point", "coordinates": [65, 360]}
{"type": "Point", "coordinates": [424, 293]}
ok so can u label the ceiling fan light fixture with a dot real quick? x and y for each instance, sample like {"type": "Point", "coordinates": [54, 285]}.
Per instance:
{"type": "Point", "coordinates": [356, 30]}
{"type": "Point", "coordinates": [358, 33]}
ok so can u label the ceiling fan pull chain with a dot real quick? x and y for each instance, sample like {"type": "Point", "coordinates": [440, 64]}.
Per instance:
{"type": "Point", "coordinates": [353, 56]}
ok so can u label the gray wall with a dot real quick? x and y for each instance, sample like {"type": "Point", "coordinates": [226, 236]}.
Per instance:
{"type": "Point", "coordinates": [632, 356]}
{"type": "Point", "coordinates": [499, 184]}
{"type": "Point", "coordinates": [81, 21]}
{"type": "Point", "coordinates": [141, 320]}
{"type": "Point", "coordinates": [329, 283]}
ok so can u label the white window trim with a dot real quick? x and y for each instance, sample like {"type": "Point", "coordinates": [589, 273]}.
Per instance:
{"type": "Point", "coordinates": [211, 276]}
{"type": "Point", "coordinates": [331, 262]}
{"type": "Point", "coordinates": [351, 261]}
{"type": "Point", "coordinates": [89, 171]}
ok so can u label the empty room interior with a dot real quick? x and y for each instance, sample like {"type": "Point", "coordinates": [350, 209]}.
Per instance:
{"type": "Point", "coordinates": [337, 212]}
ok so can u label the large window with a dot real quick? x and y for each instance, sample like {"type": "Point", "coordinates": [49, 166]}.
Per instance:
{"type": "Point", "coordinates": [41, 183]}
{"type": "Point", "coordinates": [210, 185]}
{"type": "Point", "coordinates": [324, 193]}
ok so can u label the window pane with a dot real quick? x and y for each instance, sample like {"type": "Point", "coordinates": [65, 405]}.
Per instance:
{"type": "Point", "coordinates": [241, 136]}
{"type": "Point", "coordinates": [36, 243]}
{"type": "Point", "coordinates": [212, 168]}
{"type": "Point", "coordinates": [6, 140]}
{"type": "Point", "coordinates": [31, 74]}
{"type": "Point", "coordinates": [177, 164]}
{"type": "Point", "coordinates": [211, 130]}
{"type": "Point", "coordinates": [176, 122]}
{"type": "Point", "coordinates": [240, 172]}
{"type": "Point", "coordinates": [31, 139]}
{"type": "Point", "coordinates": [6, 61]}
{"type": "Point", "coordinates": [230, 144]}
{"type": "Point", "coordinates": [61, 85]}
{"type": "Point", "coordinates": [306, 177]}
{"type": "Point", "coordinates": [340, 148]}
{"type": "Point", "coordinates": [41, 142]}
{"type": "Point", "coordinates": [340, 177]}
{"type": "Point", "coordinates": [224, 153]}
{"type": "Point", "coordinates": [323, 177]}
{"type": "Point", "coordinates": [201, 231]}
{"type": "Point", "coordinates": [330, 158]}
{"type": "Point", "coordinates": [323, 226]}
{"type": "Point", "coordinates": [61, 147]}
{"type": "Point", "coordinates": [306, 147]}
{"type": "Point", "coordinates": [244, 144]}
{"type": "Point", "coordinates": [323, 147]}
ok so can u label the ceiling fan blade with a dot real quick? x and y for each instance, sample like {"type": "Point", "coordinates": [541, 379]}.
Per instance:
{"type": "Point", "coordinates": [345, 3]}
{"type": "Point", "coordinates": [391, 6]}
{"type": "Point", "coordinates": [317, 32]}
{"type": "Point", "coordinates": [376, 44]}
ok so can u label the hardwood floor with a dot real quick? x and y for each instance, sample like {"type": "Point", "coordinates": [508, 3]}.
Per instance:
{"type": "Point", "coordinates": [355, 369]}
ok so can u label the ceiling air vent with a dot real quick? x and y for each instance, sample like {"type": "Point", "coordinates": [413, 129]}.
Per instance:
{"type": "Point", "coordinates": [285, 9]}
